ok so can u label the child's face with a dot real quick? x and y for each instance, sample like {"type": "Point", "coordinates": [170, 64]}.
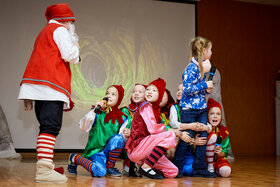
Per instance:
{"type": "Point", "coordinates": [179, 92]}
{"type": "Point", "coordinates": [112, 95]}
{"type": "Point", "coordinates": [138, 94]}
{"type": "Point", "coordinates": [207, 53]}
{"type": "Point", "coordinates": [151, 94]}
{"type": "Point", "coordinates": [164, 100]}
{"type": "Point", "coordinates": [214, 116]}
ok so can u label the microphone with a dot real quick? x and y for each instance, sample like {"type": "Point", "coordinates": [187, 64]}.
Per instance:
{"type": "Point", "coordinates": [98, 108]}
{"type": "Point", "coordinates": [218, 143]}
{"type": "Point", "coordinates": [212, 73]}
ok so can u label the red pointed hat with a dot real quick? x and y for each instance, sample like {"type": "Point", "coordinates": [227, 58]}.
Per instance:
{"type": "Point", "coordinates": [60, 13]}
{"type": "Point", "coordinates": [212, 103]}
{"type": "Point", "coordinates": [121, 94]}
{"type": "Point", "coordinates": [170, 101]}
{"type": "Point", "coordinates": [116, 113]}
{"type": "Point", "coordinates": [145, 86]}
{"type": "Point", "coordinates": [220, 129]}
{"type": "Point", "coordinates": [160, 84]}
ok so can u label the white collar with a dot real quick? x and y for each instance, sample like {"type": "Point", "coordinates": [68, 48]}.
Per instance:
{"type": "Point", "coordinates": [54, 21]}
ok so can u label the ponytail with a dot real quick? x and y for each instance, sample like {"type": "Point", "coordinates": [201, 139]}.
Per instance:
{"type": "Point", "coordinates": [197, 45]}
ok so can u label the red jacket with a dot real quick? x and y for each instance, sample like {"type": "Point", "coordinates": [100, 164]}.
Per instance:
{"type": "Point", "coordinates": [45, 66]}
{"type": "Point", "coordinates": [138, 130]}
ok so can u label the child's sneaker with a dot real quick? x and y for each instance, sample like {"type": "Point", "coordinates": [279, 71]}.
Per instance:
{"type": "Point", "coordinates": [114, 172]}
{"type": "Point", "coordinates": [72, 167]}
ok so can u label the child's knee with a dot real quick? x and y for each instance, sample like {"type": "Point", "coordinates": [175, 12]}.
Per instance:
{"type": "Point", "coordinates": [98, 170]}
{"type": "Point", "coordinates": [225, 171]}
{"type": "Point", "coordinates": [117, 140]}
{"type": "Point", "coordinates": [167, 136]}
{"type": "Point", "coordinates": [170, 172]}
{"type": "Point", "coordinates": [173, 173]}
{"type": "Point", "coordinates": [212, 138]}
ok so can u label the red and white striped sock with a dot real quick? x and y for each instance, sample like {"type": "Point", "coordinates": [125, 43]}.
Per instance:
{"type": "Point", "coordinates": [45, 146]}
{"type": "Point", "coordinates": [210, 151]}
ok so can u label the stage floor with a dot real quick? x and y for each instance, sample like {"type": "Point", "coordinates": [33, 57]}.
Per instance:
{"type": "Point", "coordinates": [247, 171]}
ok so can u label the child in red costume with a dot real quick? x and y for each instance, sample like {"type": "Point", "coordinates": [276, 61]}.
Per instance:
{"type": "Point", "coordinates": [47, 81]}
{"type": "Point", "coordinates": [221, 165]}
{"type": "Point", "coordinates": [148, 140]}
{"type": "Point", "coordinates": [137, 97]}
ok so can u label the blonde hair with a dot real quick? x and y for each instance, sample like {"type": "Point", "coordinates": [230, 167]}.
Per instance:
{"type": "Point", "coordinates": [197, 45]}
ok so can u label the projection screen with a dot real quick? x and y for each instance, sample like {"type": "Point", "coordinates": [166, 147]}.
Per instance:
{"type": "Point", "coordinates": [121, 42]}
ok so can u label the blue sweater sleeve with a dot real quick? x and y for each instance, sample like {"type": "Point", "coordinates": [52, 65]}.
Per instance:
{"type": "Point", "coordinates": [191, 83]}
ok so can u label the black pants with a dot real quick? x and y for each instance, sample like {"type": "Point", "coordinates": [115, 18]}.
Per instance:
{"type": "Point", "coordinates": [49, 115]}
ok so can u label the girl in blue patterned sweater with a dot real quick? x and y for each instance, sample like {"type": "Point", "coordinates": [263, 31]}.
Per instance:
{"type": "Point", "coordinates": [193, 103]}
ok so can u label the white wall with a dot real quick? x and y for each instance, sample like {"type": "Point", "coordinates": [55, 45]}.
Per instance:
{"type": "Point", "coordinates": [122, 42]}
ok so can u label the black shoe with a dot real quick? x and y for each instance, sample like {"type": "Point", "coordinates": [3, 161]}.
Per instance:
{"type": "Point", "coordinates": [204, 173]}
{"type": "Point", "coordinates": [133, 171]}
{"type": "Point", "coordinates": [152, 176]}
{"type": "Point", "coordinates": [180, 174]}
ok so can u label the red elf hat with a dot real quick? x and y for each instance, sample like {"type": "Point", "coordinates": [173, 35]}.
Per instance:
{"type": "Point", "coordinates": [212, 103]}
{"type": "Point", "coordinates": [60, 13]}
{"type": "Point", "coordinates": [116, 113]}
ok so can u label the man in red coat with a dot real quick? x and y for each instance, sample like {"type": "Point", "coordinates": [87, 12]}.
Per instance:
{"type": "Point", "coordinates": [47, 82]}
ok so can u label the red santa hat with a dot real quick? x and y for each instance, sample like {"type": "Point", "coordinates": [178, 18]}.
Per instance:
{"type": "Point", "coordinates": [60, 13]}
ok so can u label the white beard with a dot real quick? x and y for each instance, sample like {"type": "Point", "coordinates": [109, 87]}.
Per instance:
{"type": "Point", "coordinates": [73, 34]}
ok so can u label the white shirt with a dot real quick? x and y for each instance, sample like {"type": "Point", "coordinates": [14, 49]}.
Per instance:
{"type": "Point", "coordinates": [173, 116]}
{"type": "Point", "coordinates": [175, 124]}
{"type": "Point", "coordinates": [69, 53]}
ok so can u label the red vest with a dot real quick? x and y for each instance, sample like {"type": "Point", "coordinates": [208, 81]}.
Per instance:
{"type": "Point", "coordinates": [138, 130]}
{"type": "Point", "coordinates": [45, 66]}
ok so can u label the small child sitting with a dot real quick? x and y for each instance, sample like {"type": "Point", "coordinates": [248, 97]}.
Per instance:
{"type": "Point", "coordinates": [104, 143]}
{"type": "Point", "coordinates": [221, 165]}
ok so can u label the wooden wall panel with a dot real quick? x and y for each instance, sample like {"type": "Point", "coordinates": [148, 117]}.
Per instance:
{"type": "Point", "coordinates": [246, 50]}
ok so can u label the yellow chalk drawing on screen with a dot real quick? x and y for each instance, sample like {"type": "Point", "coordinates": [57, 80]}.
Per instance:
{"type": "Point", "coordinates": [120, 59]}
